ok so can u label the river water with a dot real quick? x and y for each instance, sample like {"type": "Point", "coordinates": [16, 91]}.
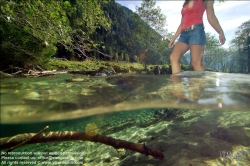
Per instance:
{"type": "Point", "coordinates": [194, 118]}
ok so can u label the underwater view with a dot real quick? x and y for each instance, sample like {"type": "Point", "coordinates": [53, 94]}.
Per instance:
{"type": "Point", "coordinates": [191, 118]}
{"type": "Point", "coordinates": [124, 83]}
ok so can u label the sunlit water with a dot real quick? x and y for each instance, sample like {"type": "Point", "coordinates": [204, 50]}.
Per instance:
{"type": "Point", "coordinates": [195, 118]}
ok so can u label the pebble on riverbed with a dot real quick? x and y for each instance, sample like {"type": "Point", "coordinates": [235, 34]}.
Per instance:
{"type": "Point", "coordinates": [77, 80]}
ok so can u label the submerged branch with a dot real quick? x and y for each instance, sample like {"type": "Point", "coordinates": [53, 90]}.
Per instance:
{"type": "Point", "coordinates": [25, 141]}
{"type": "Point", "coordinates": [9, 142]}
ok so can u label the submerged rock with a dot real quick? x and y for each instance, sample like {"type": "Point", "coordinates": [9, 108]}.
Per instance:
{"type": "Point", "coordinates": [77, 80]}
{"type": "Point", "coordinates": [100, 74]}
{"type": "Point", "coordinates": [157, 70]}
{"type": "Point", "coordinates": [235, 135]}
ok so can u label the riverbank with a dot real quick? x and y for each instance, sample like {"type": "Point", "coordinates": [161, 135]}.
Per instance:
{"type": "Point", "coordinates": [87, 67]}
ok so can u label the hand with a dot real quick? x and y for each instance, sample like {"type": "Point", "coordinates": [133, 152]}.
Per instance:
{"type": "Point", "coordinates": [222, 39]}
{"type": "Point", "coordinates": [171, 44]}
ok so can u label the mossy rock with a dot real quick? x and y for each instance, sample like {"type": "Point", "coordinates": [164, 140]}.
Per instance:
{"type": "Point", "coordinates": [156, 70]}
{"type": "Point", "coordinates": [184, 67]}
{"type": "Point", "coordinates": [118, 69]}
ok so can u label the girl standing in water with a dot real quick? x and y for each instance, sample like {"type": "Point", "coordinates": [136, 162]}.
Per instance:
{"type": "Point", "coordinates": [192, 34]}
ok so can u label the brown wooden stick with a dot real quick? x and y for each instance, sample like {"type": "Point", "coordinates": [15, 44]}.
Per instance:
{"type": "Point", "coordinates": [24, 142]}
{"type": "Point", "coordinates": [8, 142]}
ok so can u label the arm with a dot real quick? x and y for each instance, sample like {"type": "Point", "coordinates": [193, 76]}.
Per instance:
{"type": "Point", "coordinates": [213, 21]}
{"type": "Point", "coordinates": [177, 33]}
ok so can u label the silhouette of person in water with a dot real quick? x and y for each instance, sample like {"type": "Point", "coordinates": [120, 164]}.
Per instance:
{"type": "Point", "coordinates": [192, 34]}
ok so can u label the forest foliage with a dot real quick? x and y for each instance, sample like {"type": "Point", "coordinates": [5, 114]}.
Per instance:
{"type": "Point", "coordinates": [32, 32]}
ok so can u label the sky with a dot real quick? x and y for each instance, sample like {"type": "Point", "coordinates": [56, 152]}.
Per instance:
{"type": "Point", "coordinates": [231, 14]}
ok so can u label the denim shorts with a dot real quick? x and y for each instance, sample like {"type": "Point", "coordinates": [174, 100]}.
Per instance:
{"type": "Point", "coordinates": [195, 36]}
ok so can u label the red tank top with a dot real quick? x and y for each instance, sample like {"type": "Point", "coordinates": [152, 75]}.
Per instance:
{"type": "Point", "coordinates": [192, 13]}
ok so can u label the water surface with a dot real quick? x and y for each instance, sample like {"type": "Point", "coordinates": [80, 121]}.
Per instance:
{"type": "Point", "coordinates": [194, 118]}
{"type": "Point", "coordinates": [67, 96]}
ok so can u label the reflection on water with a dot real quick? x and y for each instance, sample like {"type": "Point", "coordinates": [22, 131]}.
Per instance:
{"type": "Point", "coordinates": [194, 118]}
{"type": "Point", "coordinates": [72, 96]}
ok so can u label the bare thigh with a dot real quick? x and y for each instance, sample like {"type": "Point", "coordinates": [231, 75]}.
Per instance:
{"type": "Point", "coordinates": [180, 48]}
{"type": "Point", "coordinates": [196, 55]}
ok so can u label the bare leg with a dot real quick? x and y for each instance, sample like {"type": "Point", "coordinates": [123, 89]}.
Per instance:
{"type": "Point", "coordinates": [180, 48]}
{"type": "Point", "coordinates": [196, 56]}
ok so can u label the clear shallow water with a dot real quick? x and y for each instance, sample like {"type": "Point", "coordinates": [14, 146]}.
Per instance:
{"type": "Point", "coordinates": [194, 118]}
{"type": "Point", "coordinates": [67, 96]}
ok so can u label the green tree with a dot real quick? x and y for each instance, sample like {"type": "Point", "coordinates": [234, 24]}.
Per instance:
{"type": "Point", "coordinates": [48, 24]}
{"type": "Point", "coordinates": [111, 53]}
{"type": "Point", "coordinates": [242, 43]}
{"type": "Point", "coordinates": [116, 57]}
{"type": "Point", "coordinates": [136, 59]}
{"type": "Point", "coordinates": [121, 57]}
{"type": "Point", "coordinates": [127, 58]}
{"type": "Point", "coordinates": [211, 46]}
{"type": "Point", "coordinates": [222, 62]}
{"type": "Point", "coordinates": [235, 61]}
{"type": "Point", "coordinates": [155, 21]}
